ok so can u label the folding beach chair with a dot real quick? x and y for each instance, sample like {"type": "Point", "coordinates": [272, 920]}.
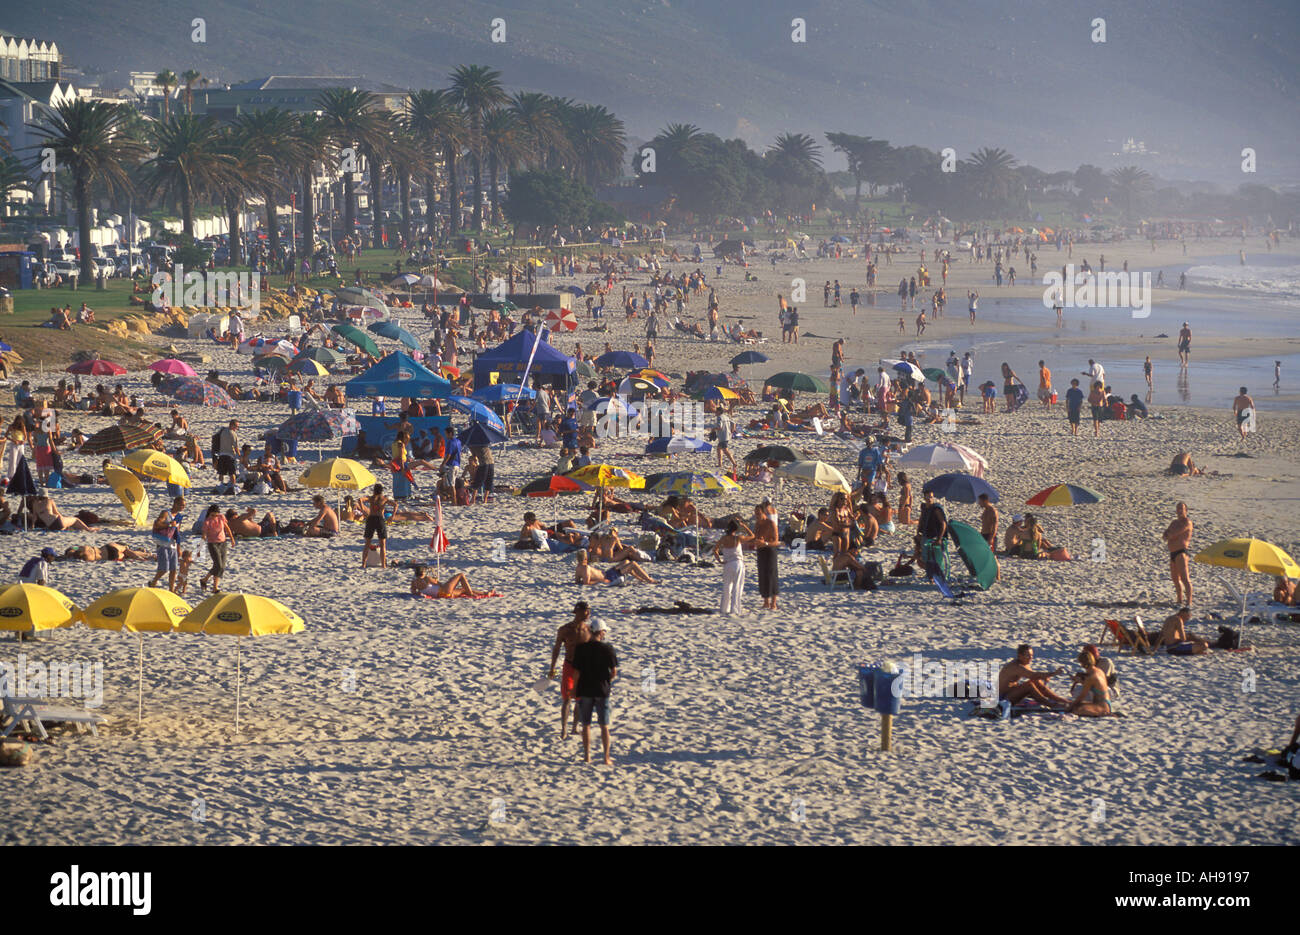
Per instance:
{"type": "Point", "coordinates": [834, 577]}
{"type": "Point", "coordinates": [1116, 634]}
{"type": "Point", "coordinates": [36, 713]}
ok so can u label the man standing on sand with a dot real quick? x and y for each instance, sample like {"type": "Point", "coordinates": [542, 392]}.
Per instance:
{"type": "Point", "coordinates": [1074, 405]}
{"type": "Point", "coordinates": [596, 665]}
{"type": "Point", "coordinates": [766, 540]}
{"type": "Point", "coordinates": [570, 636]}
{"type": "Point", "coordinates": [973, 298]}
{"type": "Point", "coordinates": [1095, 372]}
{"type": "Point", "coordinates": [1243, 407]}
{"type": "Point", "coordinates": [1178, 539]}
{"type": "Point", "coordinates": [988, 521]}
{"type": "Point", "coordinates": [723, 442]}
{"type": "Point", "coordinates": [1184, 346]}
{"type": "Point", "coordinates": [1044, 385]}
{"type": "Point", "coordinates": [1016, 681]}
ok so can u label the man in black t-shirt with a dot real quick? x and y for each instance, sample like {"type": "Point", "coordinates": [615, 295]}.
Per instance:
{"type": "Point", "coordinates": [597, 666]}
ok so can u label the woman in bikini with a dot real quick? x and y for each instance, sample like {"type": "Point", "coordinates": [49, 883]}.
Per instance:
{"type": "Point", "coordinates": [426, 585]}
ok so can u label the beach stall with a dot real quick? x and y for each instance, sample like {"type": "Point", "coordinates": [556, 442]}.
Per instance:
{"type": "Point", "coordinates": [525, 354]}
{"type": "Point", "coordinates": [397, 375]}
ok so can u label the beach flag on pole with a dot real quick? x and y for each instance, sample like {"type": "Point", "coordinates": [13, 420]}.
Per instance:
{"type": "Point", "coordinates": [438, 544]}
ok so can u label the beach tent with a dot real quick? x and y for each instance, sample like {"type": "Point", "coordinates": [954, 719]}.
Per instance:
{"type": "Point", "coordinates": [511, 359]}
{"type": "Point", "coordinates": [399, 375]}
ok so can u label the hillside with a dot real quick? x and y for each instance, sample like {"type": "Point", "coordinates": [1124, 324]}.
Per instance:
{"type": "Point", "coordinates": [1198, 80]}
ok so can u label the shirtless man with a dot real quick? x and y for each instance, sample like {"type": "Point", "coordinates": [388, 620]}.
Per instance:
{"type": "Point", "coordinates": [1093, 696]}
{"type": "Point", "coordinates": [609, 548]}
{"type": "Point", "coordinates": [577, 630]}
{"type": "Point", "coordinates": [1243, 408]}
{"type": "Point", "coordinates": [1174, 631]}
{"type": "Point", "coordinates": [1184, 345]}
{"type": "Point", "coordinates": [583, 573]}
{"type": "Point", "coordinates": [325, 523]}
{"type": "Point", "coordinates": [1016, 681]}
{"type": "Point", "coordinates": [1178, 539]}
{"type": "Point", "coordinates": [374, 505]}
{"type": "Point", "coordinates": [988, 521]}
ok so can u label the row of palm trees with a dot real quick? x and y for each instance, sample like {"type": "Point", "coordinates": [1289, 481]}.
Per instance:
{"type": "Point", "coordinates": [166, 79]}
{"type": "Point", "coordinates": [104, 149]}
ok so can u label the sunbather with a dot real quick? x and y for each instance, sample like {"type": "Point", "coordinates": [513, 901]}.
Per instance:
{"type": "Point", "coordinates": [1284, 590]}
{"type": "Point", "coordinates": [426, 585]}
{"type": "Point", "coordinates": [583, 573]}
{"type": "Point", "coordinates": [108, 552]}
{"type": "Point", "coordinates": [47, 515]}
{"type": "Point", "coordinates": [1016, 681]}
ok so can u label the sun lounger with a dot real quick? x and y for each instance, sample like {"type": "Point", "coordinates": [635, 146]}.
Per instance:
{"type": "Point", "coordinates": [36, 713]}
{"type": "Point", "coordinates": [834, 577]}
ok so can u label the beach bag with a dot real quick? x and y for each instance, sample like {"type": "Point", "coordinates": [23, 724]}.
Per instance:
{"type": "Point", "coordinates": [1059, 554]}
{"type": "Point", "coordinates": [1228, 639]}
{"type": "Point", "coordinates": [1118, 411]}
{"type": "Point", "coordinates": [372, 559]}
{"type": "Point", "coordinates": [54, 481]}
{"type": "Point", "coordinates": [541, 540]}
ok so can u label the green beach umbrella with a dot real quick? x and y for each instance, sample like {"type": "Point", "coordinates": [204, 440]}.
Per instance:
{"type": "Point", "coordinates": [975, 553]}
{"type": "Point", "coordinates": [354, 335]}
{"type": "Point", "coordinates": [326, 355]}
{"type": "Point", "coordinates": [798, 382]}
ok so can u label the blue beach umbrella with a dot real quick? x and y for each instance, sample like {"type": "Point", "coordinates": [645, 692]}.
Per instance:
{"type": "Point", "coordinates": [959, 488]}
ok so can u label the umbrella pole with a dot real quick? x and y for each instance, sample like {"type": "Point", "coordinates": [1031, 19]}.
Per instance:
{"type": "Point", "coordinates": [238, 670]}
{"type": "Point", "coordinates": [139, 694]}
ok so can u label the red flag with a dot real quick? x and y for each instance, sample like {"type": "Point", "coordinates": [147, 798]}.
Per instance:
{"type": "Point", "coordinates": [438, 543]}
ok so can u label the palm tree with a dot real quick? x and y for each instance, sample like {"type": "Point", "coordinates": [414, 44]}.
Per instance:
{"type": "Point", "coordinates": [166, 79]}
{"type": "Point", "coordinates": [538, 120]}
{"type": "Point", "coordinates": [273, 136]}
{"type": "Point", "coordinates": [188, 162]}
{"type": "Point", "coordinates": [317, 147]}
{"type": "Point", "coordinates": [597, 139]}
{"type": "Point", "coordinates": [247, 177]}
{"type": "Point", "coordinates": [407, 159]}
{"type": "Point", "coordinates": [91, 146]}
{"type": "Point", "coordinates": [991, 172]}
{"type": "Point", "coordinates": [477, 89]}
{"type": "Point", "coordinates": [1129, 183]}
{"type": "Point", "coordinates": [438, 123]}
{"type": "Point", "coordinates": [189, 77]}
{"type": "Point", "coordinates": [14, 177]}
{"type": "Point", "coordinates": [378, 147]}
{"type": "Point", "coordinates": [799, 149]}
{"type": "Point", "coordinates": [348, 116]}
{"type": "Point", "coordinates": [505, 144]}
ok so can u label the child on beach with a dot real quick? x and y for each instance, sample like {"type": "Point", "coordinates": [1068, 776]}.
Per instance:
{"type": "Point", "coordinates": [904, 500]}
{"type": "Point", "coordinates": [183, 571]}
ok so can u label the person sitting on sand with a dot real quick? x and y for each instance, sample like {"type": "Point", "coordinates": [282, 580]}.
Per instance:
{"type": "Point", "coordinates": [606, 547]}
{"type": "Point", "coordinates": [1033, 544]}
{"type": "Point", "coordinates": [1284, 590]}
{"type": "Point", "coordinates": [882, 512]}
{"type": "Point", "coordinates": [325, 524]}
{"type": "Point", "coordinates": [1092, 699]}
{"type": "Point", "coordinates": [1174, 635]}
{"type": "Point", "coordinates": [821, 531]}
{"type": "Point", "coordinates": [47, 516]}
{"type": "Point", "coordinates": [691, 516]}
{"type": "Point", "coordinates": [1016, 681]}
{"type": "Point", "coordinates": [585, 574]}
{"type": "Point", "coordinates": [531, 525]}
{"type": "Point", "coordinates": [426, 585]}
{"type": "Point", "coordinates": [246, 526]}
{"type": "Point", "coordinates": [1183, 466]}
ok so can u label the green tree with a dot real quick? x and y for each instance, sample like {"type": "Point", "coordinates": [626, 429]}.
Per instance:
{"type": "Point", "coordinates": [477, 90]}
{"type": "Point", "coordinates": [188, 161]}
{"type": "Point", "coordinates": [349, 117]}
{"type": "Point", "coordinates": [1129, 184]}
{"type": "Point", "coordinates": [274, 137]}
{"type": "Point", "coordinates": [166, 79]}
{"type": "Point", "coordinates": [438, 122]}
{"type": "Point", "coordinates": [92, 149]}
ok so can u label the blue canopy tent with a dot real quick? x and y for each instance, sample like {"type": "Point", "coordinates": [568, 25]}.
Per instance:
{"type": "Point", "coordinates": [398, 375]}
{"type": "Point", "coordinates": [395, 375]}
{"type": "Point", "coordinates": [510, 361]}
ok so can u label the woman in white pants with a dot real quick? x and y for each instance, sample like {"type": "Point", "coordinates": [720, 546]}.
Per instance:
{"type": "Point", "coordinates": [733, 564]}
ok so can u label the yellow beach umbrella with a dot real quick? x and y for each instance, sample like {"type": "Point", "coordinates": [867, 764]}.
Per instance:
{"type": "Point", "coordinates": [130, 491]}
{"type": "Point", "coordinates": [338, 474]}
{"type": "Point", "coordinates": [138, 611]}
{"type": "Point", "coordinates": [157, 465]}
{"type": "Point", "coordinates": [239, 615]}
{"type": "Point", "coordinates": [27, 608]}
{"type": "Point", "coordinates": [817, 474]}
{"type": "Point", "coordinates": [1251, 555]}
{"type": "Point", "coordinates": [607, 475]}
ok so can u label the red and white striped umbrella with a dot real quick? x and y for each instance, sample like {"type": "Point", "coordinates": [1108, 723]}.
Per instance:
{"type": "Point", "coordinates": [438, 544]}
{"type": "Point", "coordinates": [561, 319]}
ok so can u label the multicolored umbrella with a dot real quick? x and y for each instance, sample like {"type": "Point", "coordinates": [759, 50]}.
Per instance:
{"type": "Point", "coordinates": [174, 367]}
{"type": "Point", "coordinates": [122, 438]}
{"type": "Point", "coordinates": [98, 368]}
{"type": "Point", "coordinates": [308, 367]}
{"type": "Point", "coordinates": [1064, 495]}
{"type": "Point", "coordinates": [553, 485]}
{"type": "Point", "coordinates": [203, 393]}
{"type": "Point", "coordinates": [687, 484]}
{"type": "Point", "coordinates": [318, 425]}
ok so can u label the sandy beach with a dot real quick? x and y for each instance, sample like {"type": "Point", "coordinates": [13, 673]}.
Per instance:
{"type": "Point", "coordinates": [394, 719]}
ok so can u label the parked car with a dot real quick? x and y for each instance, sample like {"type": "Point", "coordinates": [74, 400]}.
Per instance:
{"type": "Point", "coordinates": [126, 270]}
{"type": "Point", "coordinates": [65, 268]}
{"type": "Point", "coordinates": [104, 266]}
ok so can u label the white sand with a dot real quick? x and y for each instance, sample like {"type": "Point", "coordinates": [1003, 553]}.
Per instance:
{"type": "Point", "coordinates": [743, 719]}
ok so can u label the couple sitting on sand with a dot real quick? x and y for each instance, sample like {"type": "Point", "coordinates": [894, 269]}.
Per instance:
{"type": "Point", "coordinates": [1095, 685]}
